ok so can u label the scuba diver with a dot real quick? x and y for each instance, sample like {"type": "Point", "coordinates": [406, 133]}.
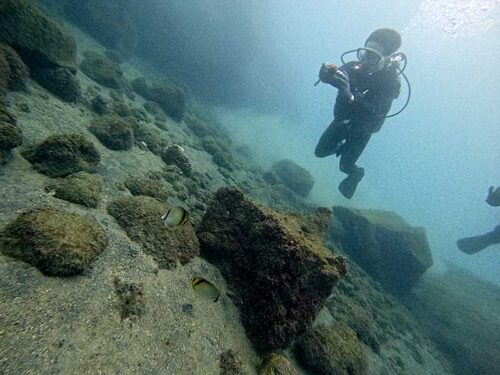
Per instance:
{"type": "Point", "coordinates": [472, 245]}
{"type": "Point", "coordinates": [366, 89]}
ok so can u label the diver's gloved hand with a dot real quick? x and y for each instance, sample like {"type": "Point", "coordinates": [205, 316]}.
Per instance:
{"type": "Point", "coordinates": [493, 196]}
{"type": "Point", "coordinates": [341, 82]}
{"type": "Point", "coordinates": [327, 73]}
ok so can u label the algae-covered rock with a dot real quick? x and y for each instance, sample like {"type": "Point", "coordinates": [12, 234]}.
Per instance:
{"type": "Point", "coordinates": [120, 108]}
{"type": "Point", "coordinates": [140, 217]}
{"type": "Point", "coordinates": [14, 74]}
{"type": "Point", "coordinates": [151, 137]}
{"type": "Point", "coordinates": [384, 245]}
{"type": "Point", "coordinates": [114, 55]}
{"type": "Point", "coordinates": [327, 350]}
{"type": "Point", "coordinates": [141, 86]}
{"type": "Point", "coordinates": [61, 155]}
{"type": "Point", "coordinates": [10, 137]}
{"type": "Point", "coordinates": [82, 188]}
{"type": "Point", "coordinates": [170, 98]}
{"type": "Point", "coordinates": [110, 22]}
{"type": "Point", "coordinates": [102, 70]}
{"type": "Point", "coordinates": [175, 155]}
{"type": "Point", "coordinates": [199, 127]}
{"type": "Point", "coordinates": [5, 115]}
{"type": "Point", "coordinates": [277, 265]}
{"type": "Point", "coordinates": [220, 155]}
{"type": "Point", "coordinates": [114, 132]}
{"type": "Point", "coordinates": [39, 40]}
{"type": "Point", "coordinates": [277, 364]}
{"type": "Point", "coordinates": [99, 105]}
{"type": "Point", "coordinates": [149, 185]}
{"type": "Point", "coordinates": [59, 81]}
{"type": "Point", "coordinates": [152, 107]}
{"type": "Point", "coordinates": [131, 296]}
{"type": "Point", "coordinates": [230, 363]}
{"type": "Point", "coordinates": [298, 179]}
{"type": "Point", "coordinates": [56, 242]}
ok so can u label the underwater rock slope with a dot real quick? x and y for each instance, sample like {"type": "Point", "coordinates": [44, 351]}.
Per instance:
{"type": "Point", "coordinates": [460, 314]}
{"type": "Point", "coordinates": [95, 283]}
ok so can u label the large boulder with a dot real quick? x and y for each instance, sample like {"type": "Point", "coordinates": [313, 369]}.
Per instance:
{"type": "Point", "coordinates": [39, 40]}
{"type": "Point", "coordinates": [60, 81]}
{"type": "Point", "coordinates": [171, 98]}
{"type": "Point", "coordinates": [14, 74]}
{"type": "Point", "coordinates": [61, 155]}
{"type": "Point", "coordinates": [140, 217]}
{"type": "Point", "coordinates": [276, 265]}
{"type": "Point", "coordinates": [114, 132]}
{"type": "Point", "coordinates": [176, 155]}
{"type": "Point", "coordinates": [276, 364]}
{"type": "Point", "coordinates": [81, 188]}
{"type": "Point", "coordinates": [102, 70]}
{"type": "Point", "coordinates": [296, 178]}
{"type": "Point", "coordinates": [10, 137]}
{"type": "Point", "coordinates": [43, 44]}
{"type": "Point", "coordinates": [384, 245]}
{"type": "Point", "coordinates": [150, 185]}
{"type": "Point", "coordinates": [56, 242]}
{"type": "Point", "coordinates": [110, 22]}
{"type": "Point", "coordinates": [332, 350]}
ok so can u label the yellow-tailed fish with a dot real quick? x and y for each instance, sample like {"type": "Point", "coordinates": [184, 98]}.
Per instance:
{"type": "Point", "coordinates": [205, 288]}
{"type": "Point", "coordinates": [175, 216]}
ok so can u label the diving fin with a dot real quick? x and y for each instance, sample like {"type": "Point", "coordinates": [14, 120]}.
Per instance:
{"type": "Point", "coordinates": [349, 184]}
{"type": "Point", "coordinates": [472, 245]}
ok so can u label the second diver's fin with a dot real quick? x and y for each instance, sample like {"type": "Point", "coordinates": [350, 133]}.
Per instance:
{"type": "Point", "coordinates": [472, 245]}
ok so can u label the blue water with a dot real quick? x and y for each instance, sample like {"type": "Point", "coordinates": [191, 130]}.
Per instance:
{"type": "Point", "coordinates": [434, 163]}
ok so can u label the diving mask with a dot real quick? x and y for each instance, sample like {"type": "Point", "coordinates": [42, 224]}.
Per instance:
{"type": "Point", "coordinates": [369, 56]}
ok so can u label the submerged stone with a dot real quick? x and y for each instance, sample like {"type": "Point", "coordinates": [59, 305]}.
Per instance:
{"type": "Point", "coordinates": [276, 264]}
{"type": "Point", "coordinates": [296, 178]}
{"type": "Point", "coordinates": [81, 188]}
{"type": "Point", "coordinates": [147, 185]}
{"type": "Point", "coordinates": [10, 137]}
{"type": "Point", "coordinates": [56, 242]}
{"type": "Point", "coordinates": [100, 69]}
{"type": "Point", "coordinates": [14, 74]}
{"type": "Point", "coordinates": [332, 350]}
{"type": "Point", "coordinates": [384, 245]}
{"type": "Point", "coordinates": [131, 296]}
{"type": "Point", "coordinates": [230, 363]}
{"type": "Point", "coordinates": [170, 98]}
{"type": "Point", "coordinates": [109, 22]}
{"type": "Point", "coordinates": [175, 155]}
{"type": "Point", "coordinates": [277, 364]}
{"type": "Point", "coordinates": [140, 217]}
{"type": "Point", "coordinates": [39, 40]}
{"type": "Point", "coordinates": [61, 155]}
{"type": "Point", "coordinates": [60, 81]}
{"type": "Point", "coordinates": [150, 136]}
{"type": "Point", "coordinates": [114, 132]}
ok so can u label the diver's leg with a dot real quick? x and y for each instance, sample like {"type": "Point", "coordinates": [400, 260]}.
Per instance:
{"type": "Point", "coordinates": [351, 151]}
{"type": "Point", "coordinates": [329, 142]}
{"type": "Point", "coordinates": [472, 245]}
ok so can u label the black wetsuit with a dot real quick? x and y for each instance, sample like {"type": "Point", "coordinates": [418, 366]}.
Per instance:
{"type": "Point", "coordinates": [356, 121]}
